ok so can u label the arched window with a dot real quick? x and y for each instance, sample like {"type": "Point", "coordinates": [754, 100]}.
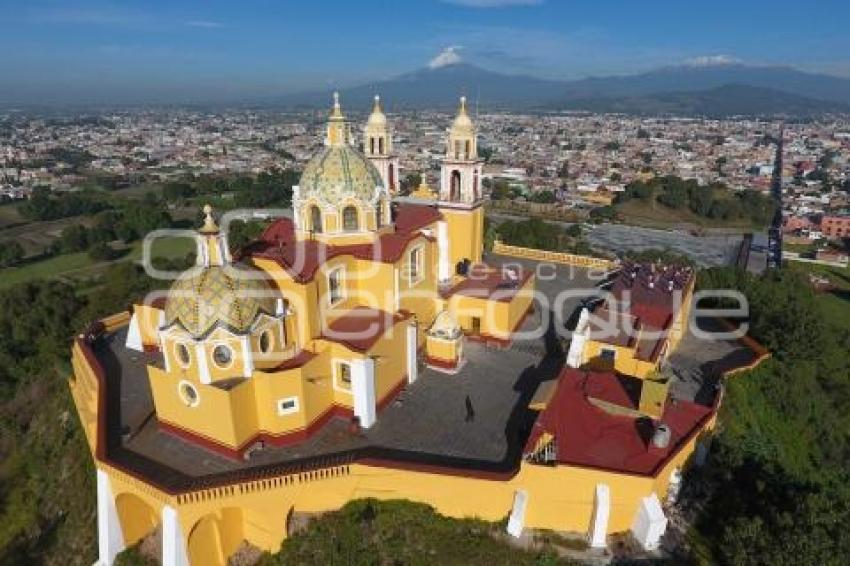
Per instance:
{"type": "Point", "coordinates": [466, 149]}
{"type": "Point", "coordinates": [391, 178]}
{"type": "Point", "coordinates": [372, 145]}
{"type": "Point", "coordinates": [315, 219]}
{"type": "Point", "coordinates": [457, 149]}
{"type": "Point", "coordinates": [349, 219]}
{"type": "Point", "coordinates": [379, 213]}
{"type": "Point", "coordinates": [455, 187]}
{"type": "Point", "coordinates": [381, 146]}
{"type": "Point", "coordinates": [475, 185]}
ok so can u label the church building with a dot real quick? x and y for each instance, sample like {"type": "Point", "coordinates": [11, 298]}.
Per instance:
{"type": "Point", "coordinates": [331, 359]}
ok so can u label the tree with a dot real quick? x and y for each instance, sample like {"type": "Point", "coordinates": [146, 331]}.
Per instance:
{"type": "Point", "coordinates": [546, 197]}
{"type": "Point", "coordinates": [410, 183]}
{"type": "Point", "coordinates": [101, 251]}
{"type": "Point", "coordinates": [74, 238]}
{"type": "Point", "coordinates": [10, 253]}
{"type": "Point", "coordinates": [501, 190]}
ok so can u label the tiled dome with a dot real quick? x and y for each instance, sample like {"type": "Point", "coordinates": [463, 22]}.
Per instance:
{"type": "Point", "coordinates": [230, 296]}
{"type": "Point", "coordinates": [337, 172]}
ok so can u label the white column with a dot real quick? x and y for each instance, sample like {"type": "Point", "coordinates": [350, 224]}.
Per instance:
{"type": "Point", "coordinates": [649, 523]}
{"type": "Point", "coordinates": [363, 389]}
{"type": "Point", "coordinates": [599, 520]}
{"type": "Point", "coordinates": [110, 536]}
{"type": "Point", "coordinates": [575, 357]}
{"type": "Point", "coordinates": [173, 542]}
{"type": "Point", "coordinates": [516, 521]}
{"type": "Point", "coordinates": [443, 268]}
{"type": "Point", "coordinates": [412, 348]}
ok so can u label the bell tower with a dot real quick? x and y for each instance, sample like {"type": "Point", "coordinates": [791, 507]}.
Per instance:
{"type": "Point", "coordinates": [378, 147]}
{"type": "Point", "coordinates": [460, 197]}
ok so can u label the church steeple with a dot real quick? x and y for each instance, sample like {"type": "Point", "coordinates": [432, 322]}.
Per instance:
{"type": "Point", "coordinates": [378, 145]}
{"type": "Point", "coordinates": [461, 170]}
{"type": "Point", "coordinates": [338, 133]}
{"type": "Point", "coordinates": [461, 143]}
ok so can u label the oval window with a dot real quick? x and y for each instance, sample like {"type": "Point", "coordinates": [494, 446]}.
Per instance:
{"type": "Point", "coordinates": [183, 356]}
{"type": "Point", "coordinates": [222, 356]}
{"type": "Point", "coordinates": [266, 340]}
{"type": "Point", "coordinates": [188, 393]}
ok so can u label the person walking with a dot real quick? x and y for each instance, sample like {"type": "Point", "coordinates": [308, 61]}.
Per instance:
{"type": "Point", "coordinates": [470, 411]}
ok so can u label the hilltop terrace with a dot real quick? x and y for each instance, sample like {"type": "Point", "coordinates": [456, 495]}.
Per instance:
{"type": "Point", "coordinates": [425, 426]}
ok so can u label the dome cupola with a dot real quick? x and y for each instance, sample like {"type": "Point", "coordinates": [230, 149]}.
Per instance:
{"type": "Point", "coordinates": [340, 190]}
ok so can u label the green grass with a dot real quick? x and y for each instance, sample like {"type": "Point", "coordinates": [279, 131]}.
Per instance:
{"type": "Point", "coordinates": [656, 215]}
{"type": "Point", "coordinates": [838, 276]}
{"type": "Point", "coordinates": [79, 266]}
{"type": "Point", "coordinates": [9, 215]}
{"type": "Point", "coordinates": [401, 532]}
{"type": "Point", "coordinates": [799, 248]}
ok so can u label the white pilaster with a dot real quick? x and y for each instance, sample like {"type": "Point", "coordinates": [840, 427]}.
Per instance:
{"type": "Point", "coordinates": [110, 536]}
{"type": "Point", "coordinates": [516, 521]}
{"type": "Point", "coordinates": [650, 523]}
{"type": "Point", "coordinates": [599, 520]}
{"type": "Point", "coordinates": [363, 389]}
{"type": "Point", "coordinates": [674, 486]}
{"type": "Point", "coordinates": [173, 542]}
{"type": "Point", "coordinates": [443, 267]}
{"type": "Point", "coordinates": [412, 348]}
{"type": "Point", "coordinates": [134, 335]}
{"type": "Point", "coordinates": [203, 364]}
{"type": "Point", "coordinates": [247, 357]}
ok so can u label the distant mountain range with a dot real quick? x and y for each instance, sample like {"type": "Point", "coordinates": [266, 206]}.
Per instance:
{"type": "Point", "coordinates": [713, 90]}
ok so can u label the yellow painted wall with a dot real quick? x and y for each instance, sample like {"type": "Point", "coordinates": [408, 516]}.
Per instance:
{"type": "Point", "coordinates": [498, 318]}
{"type": "Point", "coordinates": [148, 319]}
{"type": "Point", "coordinates": [466, 234]}
{"type": "Point", "coordinates": [624, 360]}
{"type": "Point", "coordinates": [445, 350]}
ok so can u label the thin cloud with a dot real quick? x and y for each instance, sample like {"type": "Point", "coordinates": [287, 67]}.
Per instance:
{"type": "Point", "coordinates": [208, 24]}
{"type": "Point", "coordinates": [448, 56]}
{"type": "Point", "coordinates": [711, 61]}
{"type": "Point", "coordinates": [493, 3]}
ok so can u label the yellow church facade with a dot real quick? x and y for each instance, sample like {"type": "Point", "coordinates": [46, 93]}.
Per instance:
{"type": "Point", "coordinates": [319, 363]}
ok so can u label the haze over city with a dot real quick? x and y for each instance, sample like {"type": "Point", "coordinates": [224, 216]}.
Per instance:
{"type": "Point", "coordinates": [181, 51]}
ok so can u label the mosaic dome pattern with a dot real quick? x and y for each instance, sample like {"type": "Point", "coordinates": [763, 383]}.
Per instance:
{"type": "Point", "coordinates": [229, 296]}
{"type": "Point", "coordinates": [337, 172]}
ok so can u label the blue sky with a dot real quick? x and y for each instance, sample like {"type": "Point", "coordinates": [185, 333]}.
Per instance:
{"type": "Point", "coordinates": [176, 50]}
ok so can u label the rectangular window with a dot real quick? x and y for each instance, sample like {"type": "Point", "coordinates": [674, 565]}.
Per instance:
{"type": "Point", "coordinates": [342, 376]}
{"type": "Point", "coordinates": [287, 406]}
{"type": "Point", "coordinates": [608, 355]}
{"type": "Point", "coordinates": [415, 266]}
{"type": "Point", "coordinates": [336, 281]}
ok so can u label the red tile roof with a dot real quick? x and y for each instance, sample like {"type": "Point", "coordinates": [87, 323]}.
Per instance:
{"type": "Point", "coordinates": [301, 259]}
{"type": "Point", "coordinates": [644, 297]}
{"type": "Point", "coordinates": [412, 217]}
{"type": "Point", "coordinates": [361, 327]}
{"type": "Point", "coordinates": [586, 435]}
{"type": "Point", "coordinates": [488, 282]}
